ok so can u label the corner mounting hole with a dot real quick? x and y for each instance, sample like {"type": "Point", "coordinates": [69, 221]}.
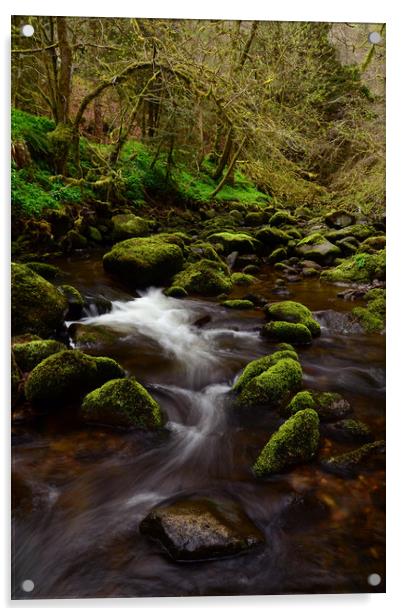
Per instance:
{"type": "Point", "coordinates": [374, 38]}
{"type": "Point", "coordinates": [27, 30]}
{"type": "Point", "coordinates": [374, 579]}
{"type": "Point", "coordinates": [27, 585]}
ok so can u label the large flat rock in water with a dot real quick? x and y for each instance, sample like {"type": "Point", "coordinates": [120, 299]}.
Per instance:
{"type": "Point", "coordinates": [201, 529]}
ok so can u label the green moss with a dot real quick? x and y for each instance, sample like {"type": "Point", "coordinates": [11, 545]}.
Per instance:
{"type": "Point", "coordinates": [15, 380]}
{"type": "Point", "coordinates": [256, 219]}
{"type": "Point", "coordinates": [374, 294]}
{"type": "Point", "coordinates": [142, 262]}
{"type": "Point", "coordinates": [30, 354]}
{"type": "Point", "coordinates": [373, 244]}
{"type": "Point", "coordinates": [243, 280]}
{"type": "Point", "coordinates": [277, 255]}
{"type": "Point", "coordinates": [258, 366]}
{"type": "Point", "coordinates": [281, 331]}
{"type": "Point", "coordinates": [281, 217]}
{"type": "Point", "coordinates": [359, 231]}
{"type": "Point", "coordinates": [348, 463]}
{"type": "Point", "coordinates": [271, 237]}
{"type": "Point", "coordinates": [372, 318]}
{"type": "Point", "coordinates": [176, 292]}
{"type": "Point", "coordinates": [73, 240]}
{"type": "Point", "coordinates": [94, 234]}
{"type": "Point", "coordinates": [85, 335]}
{"type": "Point", "coordinates": [347, 430]}
{"type": "Point", "coordinates": [75, 302]}
{"type": "Point", "coordinates": [272, 386]}
{"type": "Point", "coordinates": [361, 267]}
{"type": "Point", "coordinates": [317, 248]}
{"type": "Point", "coordinates": [302, 400]}
{"type": "Point", "coordinates": [36, 305]}
{"type": "Point", "coordinates": [205, 277]}
{"type": "Point", "coordinates": [238, 304]}
{"type": "Point", "coordinates": [251, 269]}
{"type": "Point", "coordinates": [295, 442]}
{"type": "Point", "coordinates": [293, 312]}
{"type": "Point", "coordinates": [122, 402]}
{"type": "Point", "coordinates": [66, 376]}
{"type": "Point", "coordinates": [48, 272]}
{"type": "Point", "coordinates": [235, 242]}
{"type": "Point", "coordinates": [129, 225]}
{"type": "Point", "coordinates": [203, 250]}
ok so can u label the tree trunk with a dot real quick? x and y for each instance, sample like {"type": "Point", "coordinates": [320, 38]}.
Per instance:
{"type": "Point", "coordinates": [229, 170]}
{"type": "Point", "coordinates": [225, 155]}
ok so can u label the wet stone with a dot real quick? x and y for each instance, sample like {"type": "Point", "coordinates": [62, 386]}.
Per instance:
{"type": "Point", "coordinates": [192, 530]}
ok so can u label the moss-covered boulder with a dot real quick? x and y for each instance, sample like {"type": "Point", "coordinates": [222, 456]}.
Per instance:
{"type": "Point", "coordinates": [281, 217]}
{"type": "Point", "coordinates": [359, 231]}
{"type": "Point", "coordinates": [202, 250]}
{"type": "Point", "coordinates": [350, 463]}
{"type": "Point", "coordinates": [208, 278]}
{"type": "Point", "coordinates": [330, 406]}
{"type": "Point", "coordinates": [122, 403]}
{"type": "Point", "coordinates": [73, 240]}
{"type": "Point", "coordinates": [48, 272]}
{"type": "Point", "coordinates": [15, 380]}
{"type": "Point", "coordinates": [340, 219]}
{"type": "Point", "coordinates": [242, 243]}
{"type": "Point", "coordinates": [36, 305]}
{"type": "Point", "coordinates": [129, 225]}
{"type": "Point", "coordinates": [142, 262]}
{"type": "Point", "coordinates": [243, 280]}
{"type": "Point", "coordinates": [277, 255]}
{"type": "Point", "coordinates": [271, 387]}
{"type": "Point", "coordinates": [260, 365]}
{"type": "Point", "coordinates": [296, 442]}
{"type": "Point", "coordinates": [362, 267]}
{"type": "Point", "coordinates": [238, 304]}
{"type": "Point", "coordinates": [75, 302]}
{"type": "Point", "coordinates": [257, 219]}
{"type": "Point", "coordinates": [201, 529]}
{"type": "Point", "coordinates": [349, 431]}
{"type": "Point", "coordinates": [373, 244]}
{"type": "Point", "coordinates": [293, 312]}
{"type": "Point", "coordinates": [372, 318]}
{"type": "Point", "coordinates": [84, 335]}
{"type": "Point", "coordinates": [272, 237]}
{"type": "Point", "coordinates": [317, 248]}
{"type": "Point", "coordinates": [30, 354]}
{"type": "Point", "coordinates": [67, 376]}
{"type": "Point", "coordinates": [282, 331]}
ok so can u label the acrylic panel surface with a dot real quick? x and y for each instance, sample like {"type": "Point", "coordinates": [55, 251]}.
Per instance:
{"type": "Point", "coordinates": [198, 307]}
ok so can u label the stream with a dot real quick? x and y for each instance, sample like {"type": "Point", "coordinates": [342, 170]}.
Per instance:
{"type": "Point", "coordinates": [92, 486]}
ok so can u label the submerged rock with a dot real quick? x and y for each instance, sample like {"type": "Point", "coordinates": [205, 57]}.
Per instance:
{"type": "Point", "coordinates": [238, 304]}
{"type": "Point", "coordinates": [84, 335]}
{"type": "Point", "coordinates": [192, 530]}
{"type": "Point", "coordinates": [205, 277]}
{"type": "Point", "coordinates": [295, 442]}
{"type": "Point", "coordinates": [293, 312]}
{"type": "Point", "coordinates": [350, 463]}
{"type": "Point", "coordinates": [30, 354]}
{"type": "Point", "coordinates": [349, 431]}
{"type": "Point", "coordinates": [67, 376]}
{"type": "Point", "coordinates": [122, 402]}
{"type": "Point", "coordinates": [329, 406]}
{"type": "Point", "coordinates": [282, 331]}
{"type": "Point", "coordinates": [36, 305]}
{"type": "Point", "coordinates": [142, 262]}
{"type": "Point", "coordinates": [271, 387]}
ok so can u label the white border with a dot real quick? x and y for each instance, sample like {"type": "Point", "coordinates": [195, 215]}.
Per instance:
{"type": "Point", "coordinates": [292, 10]}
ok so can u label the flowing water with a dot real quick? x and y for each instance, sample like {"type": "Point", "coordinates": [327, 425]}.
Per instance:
{"type": "Point", "coordinates": [92, 486]}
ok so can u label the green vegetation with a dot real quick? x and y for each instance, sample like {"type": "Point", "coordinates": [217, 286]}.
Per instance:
{"type": "Point", "coordinates": [282, 331]}
{"type": "Point", "coordinates": [271, 387]}
{"type": "Point", "coordinates": [204, 277]}
{"type": "Point", "coordinates": [238, 304]}
{"type": "Point", "coordinates": [30, 354]}
{"type": "Point", "coordinates": [295, 442]}
{"type": "Point", "coordinates": [362, 267]}
{"type": "Point", "coordinates": [68, 375]}
{"type": "Point", "coordinates": [293, 312]}
{"type": "Point", "coordinates": [123, 403]}
{"type": "Point", "coordinates": [329, 405]}
{"type": "Point", "coordinates": [258, 366]}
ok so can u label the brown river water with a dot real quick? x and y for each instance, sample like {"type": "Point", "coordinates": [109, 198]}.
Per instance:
{"type": "Point", "coordinates": [92, 486]}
